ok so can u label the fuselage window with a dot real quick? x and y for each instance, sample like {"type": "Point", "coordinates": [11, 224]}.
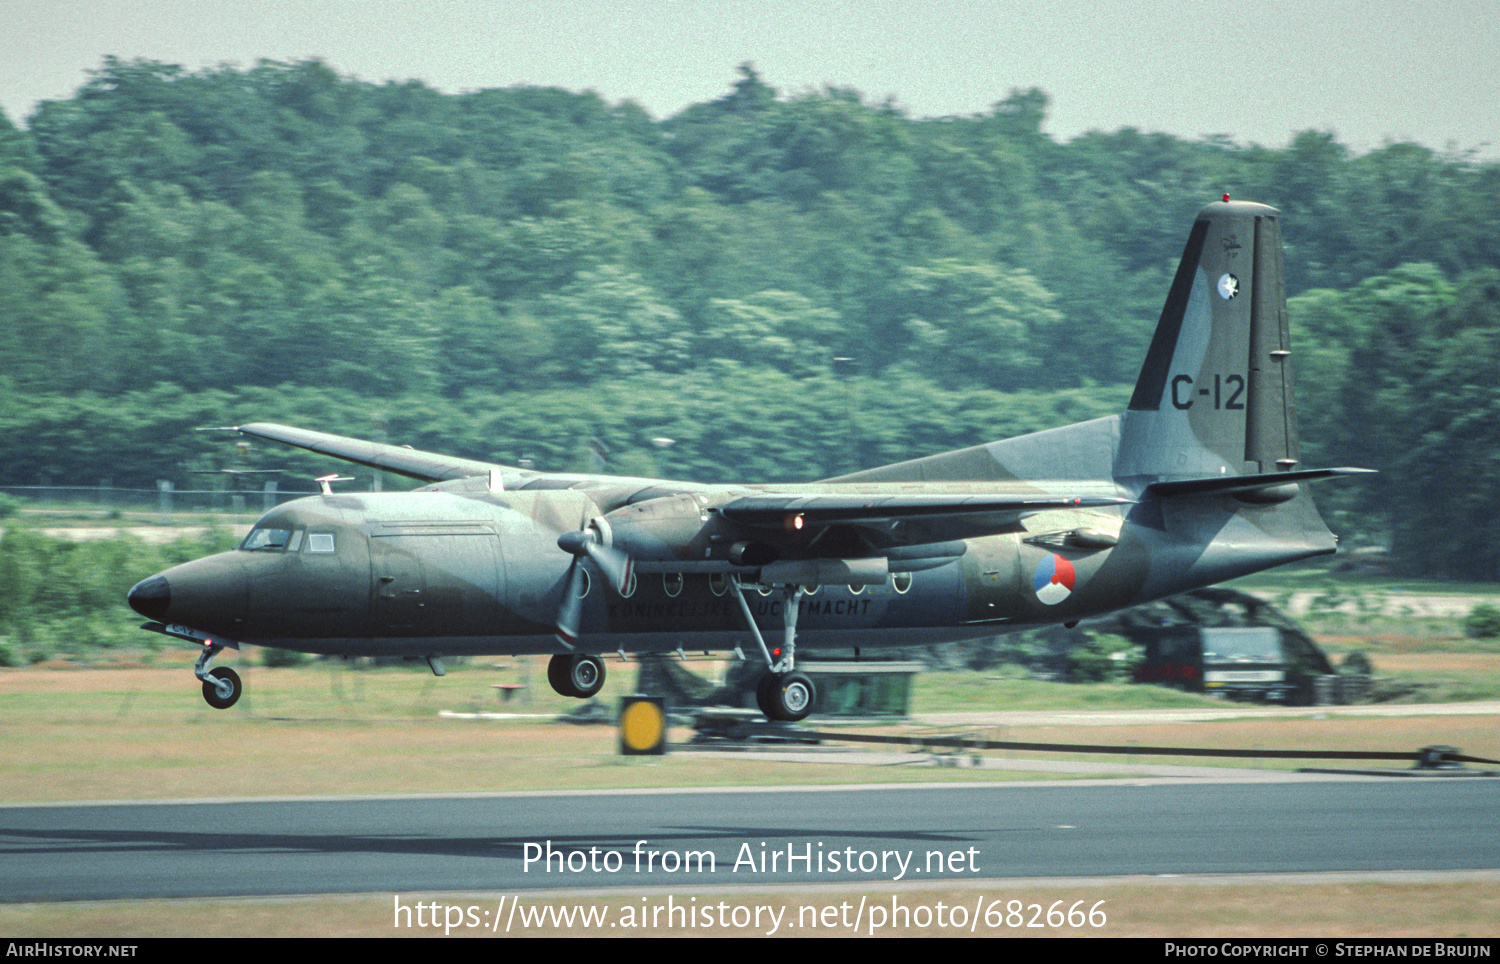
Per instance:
{"type": "Point", "coordinates": [295, 542]}
{"type": "Point", "coordinates": [901, 582]}
{"type": "Point", "coordinates": [266, 540]}
{"type": "Point", "coordinates": [320, 542]}
{"type": "Point", "coordinates": [629, 589]}
{"type": "Point", "coordinates": [719, 583]}
{"type": "Point", "coordinates": [671, 583]}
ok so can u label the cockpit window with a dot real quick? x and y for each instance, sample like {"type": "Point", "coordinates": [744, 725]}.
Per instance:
{"type": "Point", "coordinates": [320, 542]}
{"type": "Point", "coordinates": [266, 540]}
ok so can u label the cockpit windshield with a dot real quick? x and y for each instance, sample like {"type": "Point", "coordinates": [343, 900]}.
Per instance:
{"type": "Point", "coordinates": [263, 539]}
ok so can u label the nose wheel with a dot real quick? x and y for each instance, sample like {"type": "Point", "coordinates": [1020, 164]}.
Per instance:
{"type": "Point", "coordinates": [221, 687]}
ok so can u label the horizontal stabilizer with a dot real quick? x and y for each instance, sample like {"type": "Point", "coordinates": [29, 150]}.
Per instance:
{"type": "Point", "coordinates": [1235, 484]}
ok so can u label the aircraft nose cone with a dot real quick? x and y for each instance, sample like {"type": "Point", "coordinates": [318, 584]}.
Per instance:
{"type": "Point", "coordinates": [151, 597]}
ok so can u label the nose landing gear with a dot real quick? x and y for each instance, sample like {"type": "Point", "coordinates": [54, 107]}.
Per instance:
{"type": "Point", "coordinates": [221, 687]}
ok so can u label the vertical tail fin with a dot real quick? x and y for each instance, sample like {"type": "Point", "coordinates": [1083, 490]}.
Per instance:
{"type": "Point", "coordinates": [1214, 397]}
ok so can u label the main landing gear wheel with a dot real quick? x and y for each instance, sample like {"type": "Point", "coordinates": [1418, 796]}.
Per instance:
{"type": "Point", "coordinates": [788, 697]}
{"type": "Point", "coordinates": [222, 688]}
{"type": "Point", "coordinates": [576, 675]}
{"type": "Point", "coordinates": [763, 697]}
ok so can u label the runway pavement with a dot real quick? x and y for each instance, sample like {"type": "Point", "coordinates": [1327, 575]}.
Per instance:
{"type": "Point", "coordinates": [759, 837]}
{"type": "Point", "coordinates": [1201, 714]}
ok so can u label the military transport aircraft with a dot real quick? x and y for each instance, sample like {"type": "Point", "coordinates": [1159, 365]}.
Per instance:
{"type": "Point", "coordinates": [1196, 482]}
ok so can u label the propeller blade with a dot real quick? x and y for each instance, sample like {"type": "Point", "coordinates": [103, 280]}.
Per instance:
{"type": "Point", "coordinates": [571, 610]}
{"type": "Point", "coordinates": [615, 565]}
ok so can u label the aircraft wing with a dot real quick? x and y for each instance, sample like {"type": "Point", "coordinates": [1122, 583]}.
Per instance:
{"type": "Point", "coordinates": [426, 466]}
{"type": "Point", "coordinates": [882, 519]}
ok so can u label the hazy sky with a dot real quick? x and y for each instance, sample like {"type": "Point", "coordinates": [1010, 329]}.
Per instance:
{"type": "Point", "coordinates": [1370, 71]}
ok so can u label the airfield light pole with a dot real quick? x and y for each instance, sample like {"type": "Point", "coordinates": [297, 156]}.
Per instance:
{"type": "Point", "coordinates": [664, 446]}
{"type": "Point", "coordinates": [382, 435]}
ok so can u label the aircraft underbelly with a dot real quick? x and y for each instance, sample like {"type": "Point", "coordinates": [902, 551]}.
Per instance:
{"type": "Point", "coordinates": [824, 641]}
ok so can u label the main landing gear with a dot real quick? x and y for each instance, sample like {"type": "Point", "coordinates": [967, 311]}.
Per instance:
{"type": "Point", "coordinates": [221, 687]}
{"type": "Point", "coordinates": [785, 696]}
{"type": "Point", "coordinates": [576, 675]}
{"type": "Point", "coordinates": [782, 693]}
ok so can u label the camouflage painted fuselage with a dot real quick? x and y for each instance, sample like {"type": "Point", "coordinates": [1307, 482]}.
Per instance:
{"type": "Point", "coordinates": [1195, 483]}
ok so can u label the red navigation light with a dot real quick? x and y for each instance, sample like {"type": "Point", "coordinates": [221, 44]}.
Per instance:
{"type": "Point", "coordinates": [1226, 197]}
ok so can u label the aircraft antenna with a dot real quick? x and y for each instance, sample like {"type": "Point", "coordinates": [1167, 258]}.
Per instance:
{"type": "Point", "coordinates": [325, 482]}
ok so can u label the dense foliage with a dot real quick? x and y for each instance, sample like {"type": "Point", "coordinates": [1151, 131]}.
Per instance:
{"type": "Point", "coordinates": [63, 597]}
{"type": "Point", "coordinates": [788, 287]}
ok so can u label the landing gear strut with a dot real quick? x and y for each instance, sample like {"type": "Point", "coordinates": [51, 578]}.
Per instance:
{"type": "Point", "coordinates": [782, 693]}
{"type": "Point", "coordinates": [221, 687]}
{"type": "Point", "coordinates": [576, 675]}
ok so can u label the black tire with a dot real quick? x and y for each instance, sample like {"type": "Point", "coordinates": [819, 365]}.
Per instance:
{"type": "Point", "coordinates": [211, 690]}
{"type": "Point", "coordinates": [794, 695]}
{"type": "Point", "coordinates": [586, 676]}
{"type": "Point", "coordinates": [577, 676]}
{"type": "Point", "coordinates": [557, 674]}
{"type": "Point", "coordinates": [764, 695]}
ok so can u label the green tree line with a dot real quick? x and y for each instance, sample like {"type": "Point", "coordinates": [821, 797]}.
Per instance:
{"type": "Point", "coordinates": [787, 286]}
